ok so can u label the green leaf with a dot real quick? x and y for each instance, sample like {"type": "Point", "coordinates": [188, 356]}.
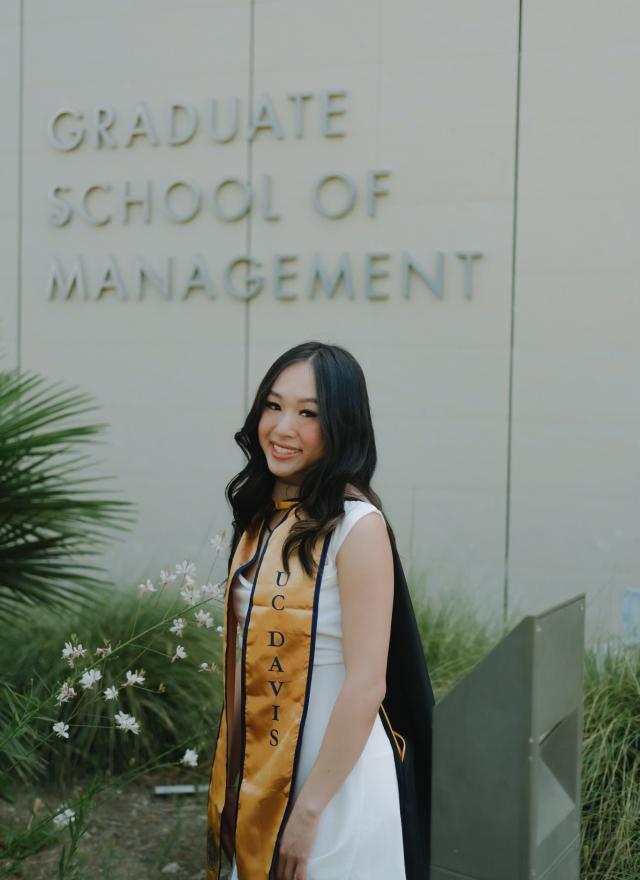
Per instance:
{"type": "Point", "coordinates": [53, 521]}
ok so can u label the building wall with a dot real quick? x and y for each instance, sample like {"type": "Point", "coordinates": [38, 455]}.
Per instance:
{"type": "Point", "coordinates": [506, 415]}
{"type": "Point", "coordinates": [575, 516]}
{"type": "Point", "coordinates": [10, 89]}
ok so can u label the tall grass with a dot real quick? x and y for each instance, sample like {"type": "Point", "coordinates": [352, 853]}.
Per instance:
{"type": "Point", "coordinates": [454, 639]}
{"type": "Point", "coordinates": [611, 766]}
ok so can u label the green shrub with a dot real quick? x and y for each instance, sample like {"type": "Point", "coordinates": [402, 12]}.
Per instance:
{"type": "Point", "coordinates": [453, 638]}
{"type": "Point", "coordinates": [611, 766]}
{"type": "Point", "coordinates": [178, 705]}
{"type": "Point", "coordinates": [52, 517]}
{"type": "Point", "coordinates": [176, 702]}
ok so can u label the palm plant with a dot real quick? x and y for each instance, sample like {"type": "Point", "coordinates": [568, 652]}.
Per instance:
{"type": "Point", "coordinates": [49, 518]}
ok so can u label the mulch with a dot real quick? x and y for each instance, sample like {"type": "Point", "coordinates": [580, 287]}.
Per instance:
{"type": "Point", "coordinates": [132, 834]}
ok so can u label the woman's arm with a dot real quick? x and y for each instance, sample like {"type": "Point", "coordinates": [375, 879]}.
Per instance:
{"type": "Point", "coordinates": [365, 578]}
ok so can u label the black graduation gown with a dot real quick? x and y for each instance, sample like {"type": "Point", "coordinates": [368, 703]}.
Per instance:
{"type": "Point", "coordinates": [409, 702]}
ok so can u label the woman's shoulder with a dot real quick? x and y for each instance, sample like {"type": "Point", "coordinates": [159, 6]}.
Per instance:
{"type": "Point", "coordinates": [353, 513]}
{"type": "Point", "coordinates": [355, 500]}
{"type": "Point", "coordinates": [351, 493]}
{"type": "Point", "coordinates": [354, 509]}
{"type": "Point", "coordinates": [357, 504]}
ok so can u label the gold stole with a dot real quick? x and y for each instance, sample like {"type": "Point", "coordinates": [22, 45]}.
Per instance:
{"type": "Point", "coordinates": [277, 659]}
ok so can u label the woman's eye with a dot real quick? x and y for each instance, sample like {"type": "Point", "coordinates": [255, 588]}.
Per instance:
{"type": "Point", "coordinates": [272, 403]}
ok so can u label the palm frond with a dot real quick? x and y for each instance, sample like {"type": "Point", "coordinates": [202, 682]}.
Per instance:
{"type": "Point", "coordinates": [51, 516]}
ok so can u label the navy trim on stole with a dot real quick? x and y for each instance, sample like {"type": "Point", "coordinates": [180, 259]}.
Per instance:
{"type": "Point", "coordinates": [224, 695]}
{"type": "Point", "coordinates": [312, 644]}
{"type": "Point", "coordinates": [243, 708]}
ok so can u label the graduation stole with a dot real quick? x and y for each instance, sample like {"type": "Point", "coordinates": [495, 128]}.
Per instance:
{"type": "Point", "coordinates": [277, 662]}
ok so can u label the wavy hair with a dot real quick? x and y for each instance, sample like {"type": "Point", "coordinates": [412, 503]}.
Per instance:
{"type": "Point", "coordinates": [350, 453]}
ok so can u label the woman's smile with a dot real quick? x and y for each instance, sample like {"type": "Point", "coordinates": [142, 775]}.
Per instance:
{"type": "Point", "coordinates": [282, 452]}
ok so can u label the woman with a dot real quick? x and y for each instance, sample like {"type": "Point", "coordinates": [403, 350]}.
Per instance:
{"type": "Point", "coordinates": [322, 766]}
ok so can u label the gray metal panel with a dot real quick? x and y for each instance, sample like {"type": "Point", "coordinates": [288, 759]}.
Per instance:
{"type": "Point", "coordinates": [480, 762]}
{"type": "Point", "coordinates": [557, 686]}
{"type": "Point", "coordinates": [567, 866]}
{"type": "Point", "coordinates": [506, 756]}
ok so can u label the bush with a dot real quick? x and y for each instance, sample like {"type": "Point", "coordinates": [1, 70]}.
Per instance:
{"type": "Point", "coordinates": [454, 640]}
{"type": "Point", "coordinates": [51, 517]}
{"type": "Point", "coordinates": [611, 766]}
{"type": "Point", "coordinates": [177, 702]}
{"type": "Point", "coordinates": [178, 705]}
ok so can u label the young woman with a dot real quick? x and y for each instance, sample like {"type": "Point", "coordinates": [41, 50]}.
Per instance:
{"type": "Point", "coordinates": [322, 768]}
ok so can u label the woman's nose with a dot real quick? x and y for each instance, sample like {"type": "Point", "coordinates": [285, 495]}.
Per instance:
{"type": "Point", "coordinates": [286, 424]}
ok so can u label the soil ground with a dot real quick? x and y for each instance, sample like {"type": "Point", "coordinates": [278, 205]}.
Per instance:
{"type": "Point", "coordinates": [132, 834]}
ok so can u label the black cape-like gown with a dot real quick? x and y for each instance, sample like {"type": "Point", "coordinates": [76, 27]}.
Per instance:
{"type": "Point", "coordinates": [409, 702]}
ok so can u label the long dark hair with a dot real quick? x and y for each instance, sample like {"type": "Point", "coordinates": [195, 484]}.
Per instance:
{"type": "Point", "coordinates": [350, 452]}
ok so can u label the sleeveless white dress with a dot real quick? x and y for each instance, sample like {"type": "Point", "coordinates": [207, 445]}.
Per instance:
{"type": "Point", "coordinates": [359, 832]}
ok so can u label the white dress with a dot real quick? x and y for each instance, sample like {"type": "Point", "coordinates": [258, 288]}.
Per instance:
{"type": "Point", "coordinates": [359, 832]}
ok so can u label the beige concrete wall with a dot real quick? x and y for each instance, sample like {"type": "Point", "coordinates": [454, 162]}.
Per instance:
{"type": "Point", "coordinates": [9, 176]}
{"type": "Point", "coordinates": [431, 95]}
{"type": "Point", "coordinates": [168, 375]}
{"type": "Point", "coordinates": [576, 475]}
{"type": "Point", "coordinates": [433, 100]}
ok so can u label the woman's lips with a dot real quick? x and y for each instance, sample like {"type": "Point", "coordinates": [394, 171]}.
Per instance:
{"type": "Point", "coordinates": [283, 455]}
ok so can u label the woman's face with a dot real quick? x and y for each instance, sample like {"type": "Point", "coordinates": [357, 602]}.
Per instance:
{"type": "Point", "coordinates": [289, 428]}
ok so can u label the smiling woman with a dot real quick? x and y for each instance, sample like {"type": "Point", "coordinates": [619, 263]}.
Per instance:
{"type": "Point", "coordinates": [322, 761]}
{"type": "Point", "coordinates": [289, 427]}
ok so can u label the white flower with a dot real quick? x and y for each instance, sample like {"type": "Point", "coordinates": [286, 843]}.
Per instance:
{"type": "Point", "coordinates": [61, 820]}
{"type": "Point", "coordinates": [190, 595]}
{"type": "Point", "coordinates": [134, 678]}
{"type": "Point", "coordinates": [179, 624]}
{"type": "Point", "coordinates": [219, 630]}
{"type": "Point", "coordinates": [218, 543]}
{"type": "Point", "coordinates": [204, 667]}
{"type": "Point", "coordinates": [204, 618]}
{"type": "Point", "coordinates": [70, 653]}
{"type": "Point", "coordinates": [146, 587]}
{"type": "Point", "coordinates": [111, 693]}
{"type": "Point", "coordinates": [180, 653]}
{"type": "Point", "coordinates": [213, 591]}
{"type": "Point", "coordinates": [66, 693]}
{"type": "Point", "coordinates": [90, 677]}
{"type": "Point", "coordinates": [61, 729]}
{"type": "Point", "coordinates": [104, 651]}
{"type": "Point", "coordinates": [166, 577]}
{"type": "Point", "coordinates": [190, 758]}
{"type": "Point", "coordinates": [127, 722]}
{"type": "Point", "coordinates": [185, 567]}
{"type": "Point", "coordinates": [188, 581]}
